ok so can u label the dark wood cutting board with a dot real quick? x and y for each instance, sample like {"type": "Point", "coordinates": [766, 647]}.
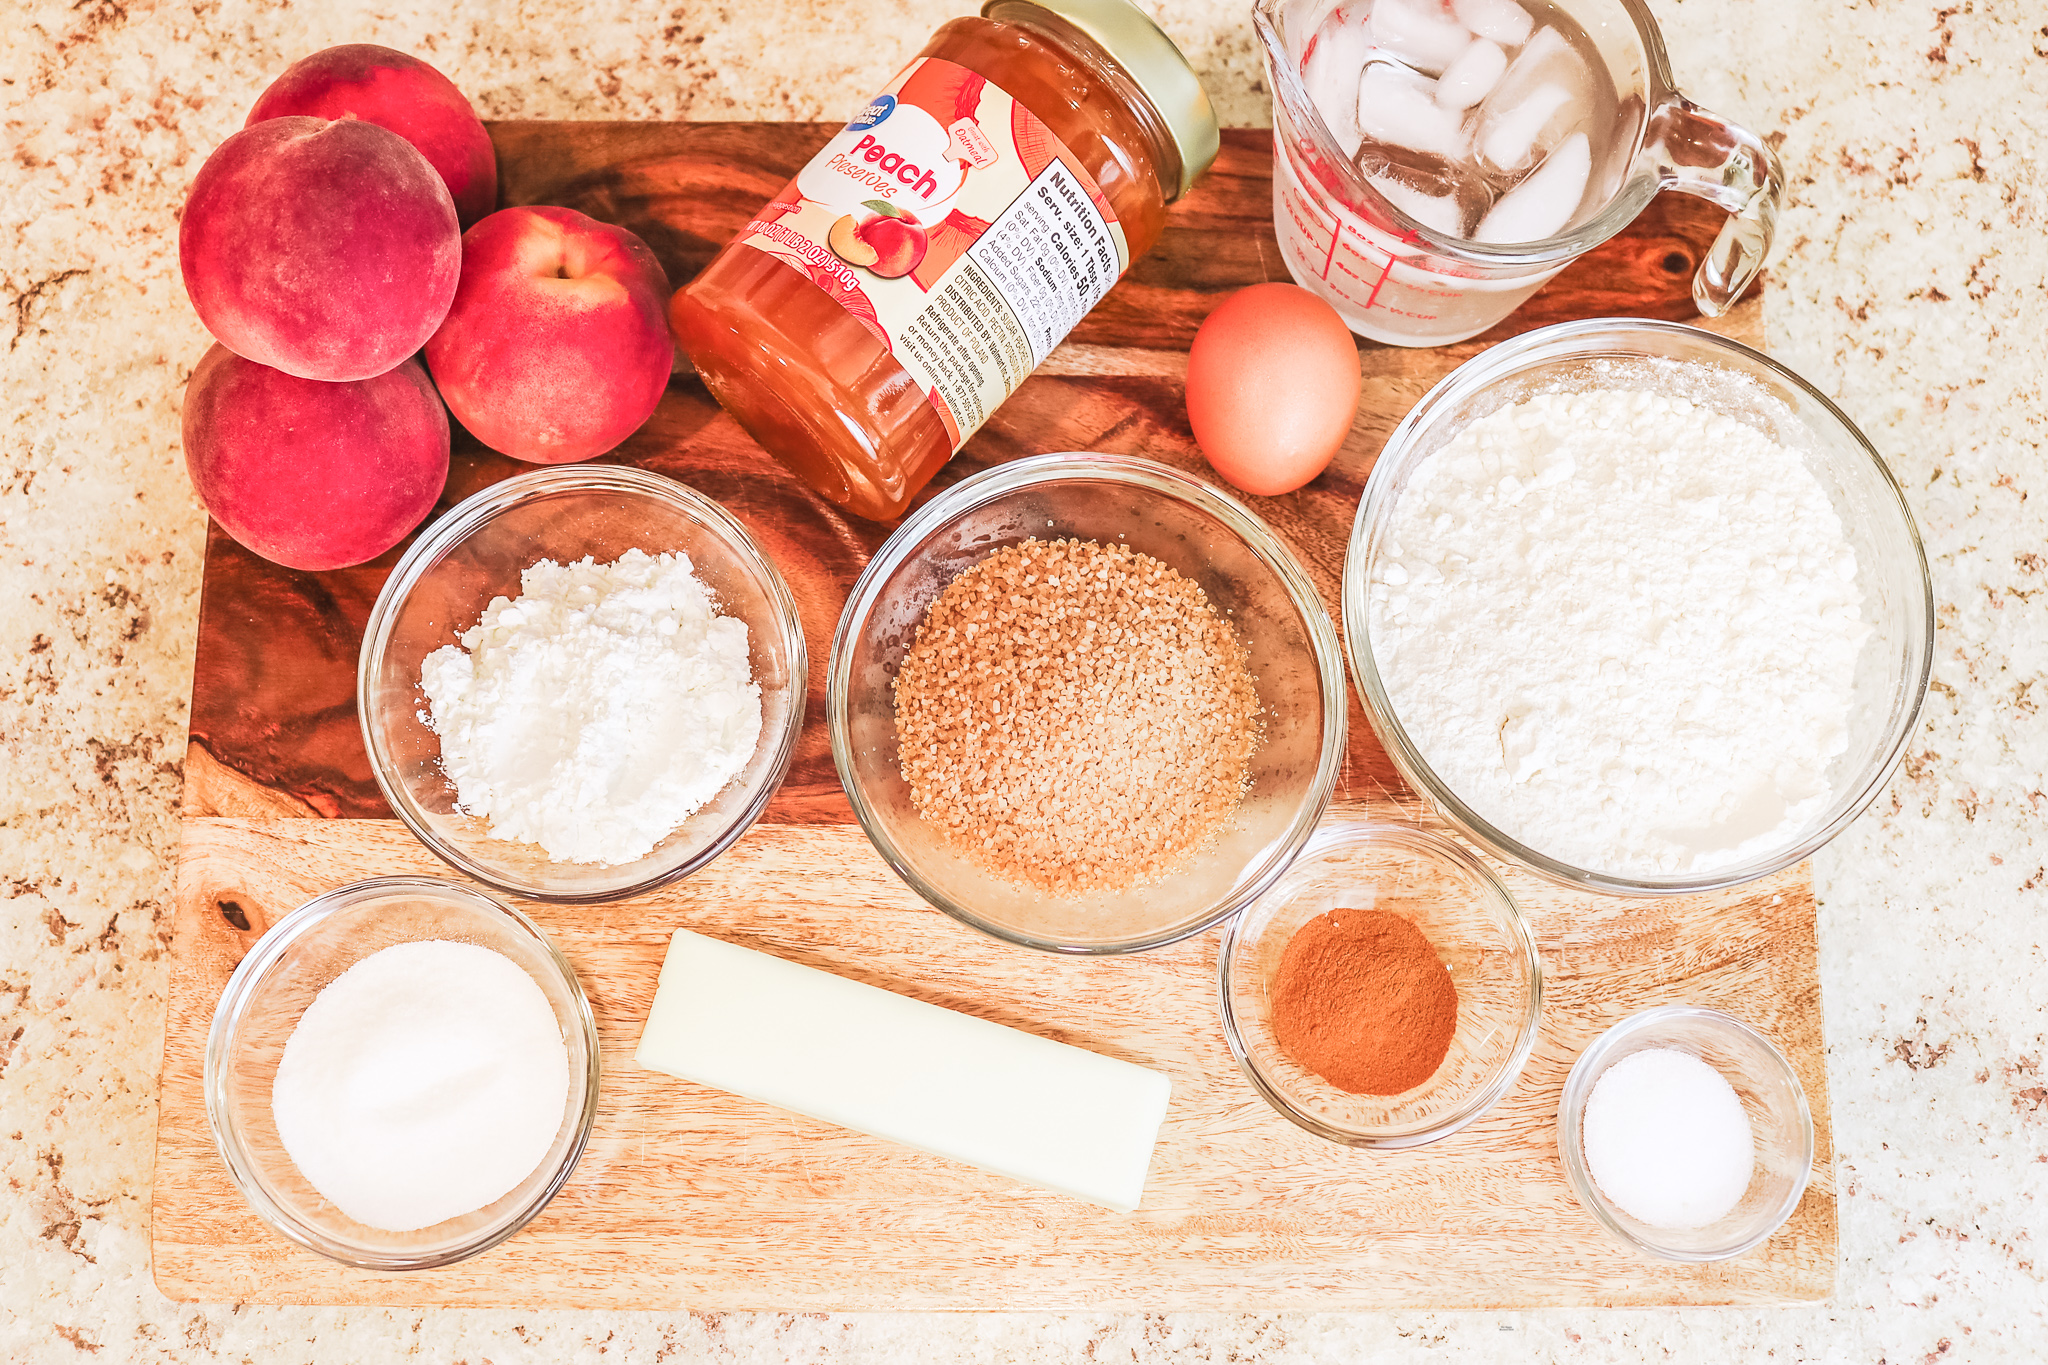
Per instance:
{"type": "Point", "coordinates": [689, 1198]}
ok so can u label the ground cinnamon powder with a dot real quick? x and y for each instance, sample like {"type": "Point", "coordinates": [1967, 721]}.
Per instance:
{"type": "Point", "coordinates": [1361, 1000]}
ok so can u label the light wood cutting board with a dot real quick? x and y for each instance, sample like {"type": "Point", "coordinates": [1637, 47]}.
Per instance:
{"type": "Point", "coordinates": [691, 1198]}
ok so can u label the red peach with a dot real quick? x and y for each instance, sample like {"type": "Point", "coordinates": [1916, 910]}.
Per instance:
{"type": "Point", "coordinates": [402, 93]}
{"type": "Point", "coordinates": [557, 346]}
{"type": "Point", "coordinates": [899, 243]}
{"type": "Point", "coordinates": [326, 250]}
{"type": "Point", "coordinates": [313, 475]}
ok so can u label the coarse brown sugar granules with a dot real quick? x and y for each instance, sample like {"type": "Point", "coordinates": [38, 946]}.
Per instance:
{"type": "Point", "coordinates": [1360, 999]}
{"type": "Point", "coordinates": [1076, 716]}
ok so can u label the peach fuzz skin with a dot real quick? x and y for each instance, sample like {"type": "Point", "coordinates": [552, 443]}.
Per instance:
{"type": "Point", "coordinates": [328, 250]}
{"type": "Point", "coordinates": [314, 475]}
{"type": "Point", "coordinates": [557, 347]}
{"type": "Point", "coordinates": [401, 93]}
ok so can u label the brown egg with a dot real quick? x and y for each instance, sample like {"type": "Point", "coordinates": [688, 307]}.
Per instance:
{"type": "Point", "coordinates": [1272, 387]}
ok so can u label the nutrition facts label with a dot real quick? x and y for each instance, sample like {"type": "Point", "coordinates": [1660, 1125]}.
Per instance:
{"type": "Point", "coordinates": [1002, 307]}
{"type": "Point", "coordinates": [1050, 256]}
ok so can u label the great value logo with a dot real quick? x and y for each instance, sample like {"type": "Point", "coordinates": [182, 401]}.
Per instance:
{"type": "Point", "coordinates": [878, 109]}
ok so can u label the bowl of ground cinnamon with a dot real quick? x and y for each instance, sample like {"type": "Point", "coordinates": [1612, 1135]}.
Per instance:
{"type": "Point", "coordinates": [1087, 703]}
{"type": "Point", "coordinates": [1385, 992]}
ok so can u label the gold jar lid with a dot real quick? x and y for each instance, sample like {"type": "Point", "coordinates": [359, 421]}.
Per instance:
{"type": "Point", "coordinates": [1142, 48]}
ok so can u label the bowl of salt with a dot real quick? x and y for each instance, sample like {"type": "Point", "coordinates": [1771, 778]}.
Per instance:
{"type": "Point", "coordinates": [1685, 1132]}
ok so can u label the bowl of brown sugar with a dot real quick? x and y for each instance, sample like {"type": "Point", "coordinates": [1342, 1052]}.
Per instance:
{"type": "Point", "coordinates": [1385, 992]}
{"type": "Point", "coordinates": [1086, 703]}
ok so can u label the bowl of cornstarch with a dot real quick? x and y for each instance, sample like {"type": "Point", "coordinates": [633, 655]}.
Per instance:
{"type": "Point", "coordinates": [1637, 608]}
{"type": "Point", "coordinates": [401, 1073]}
{"type": "Point", "coordinates": [582, 683]}
{"type": "Point", "coordinates": [1086, 703]}
{"type": "Point", "coordinates": [1686, 1133]}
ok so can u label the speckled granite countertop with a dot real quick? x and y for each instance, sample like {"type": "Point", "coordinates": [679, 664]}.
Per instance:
{"type": "Point", "coordinates": [1912, 286]}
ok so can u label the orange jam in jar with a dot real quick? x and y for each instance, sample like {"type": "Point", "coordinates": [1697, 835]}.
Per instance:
{"type": "Point", "coordinates": [875, 313]}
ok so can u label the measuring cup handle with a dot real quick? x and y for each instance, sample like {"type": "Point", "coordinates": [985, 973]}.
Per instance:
{"type": "Point", "coordinates": [1703, 154]}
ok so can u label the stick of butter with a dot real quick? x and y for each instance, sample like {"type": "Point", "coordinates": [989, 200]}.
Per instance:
{"type": "Point", "coordinates": [884, 1064]}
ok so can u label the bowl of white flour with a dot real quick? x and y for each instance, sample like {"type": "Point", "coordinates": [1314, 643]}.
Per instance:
{"type": "Point", "coordinates": [1636, 607]}
{"type": "Point", "coordinates": [581, 683]}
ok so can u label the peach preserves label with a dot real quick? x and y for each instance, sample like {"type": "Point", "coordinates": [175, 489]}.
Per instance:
{"type": "Point", "coordinates": [952, 223]}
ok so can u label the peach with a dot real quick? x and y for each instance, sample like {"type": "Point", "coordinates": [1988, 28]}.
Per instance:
{"type": "Point", "coordinates": [557, 347]}
{"type": "Point", "coordinates": [899, 242]}
{"type": "Point", "coordinates": [308, 474]}
{"type": "Point", "coordinates": [328, 250]}
{"type": "Point", "coordinates": [845, 240]}
{"type": "Point", "coordinates": [888, 242]}
{"type": "Point", "coordinates": [402, 93]}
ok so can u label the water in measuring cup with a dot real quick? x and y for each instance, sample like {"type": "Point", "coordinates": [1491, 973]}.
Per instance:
{"type": "Point", "coordinates": [1480, 119]}
{"type": "Point", "coordinates": [1485, 121]}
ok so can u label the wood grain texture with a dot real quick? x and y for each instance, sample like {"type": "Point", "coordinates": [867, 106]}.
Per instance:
{"type": "Point", "coordinates": [692, 1198]}
{"type": "Point", "coordinates": [273, 693]}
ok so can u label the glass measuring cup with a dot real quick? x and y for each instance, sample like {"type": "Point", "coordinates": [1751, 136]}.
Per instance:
{"type": "Point", "coordinates": [1396, 281]}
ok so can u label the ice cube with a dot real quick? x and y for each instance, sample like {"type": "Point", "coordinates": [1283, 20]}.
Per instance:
{"type": "Point", "coordinates": [1439, 212]}
{"type": "Point", "coordinates": [1466, 81]}
{"type": "Point", "coordinates": [1336, 56]}
{"type": "Point", "coordinates": [1449, 196]}
{"type": "Point", "coordinates": [1422, 33]}
{"type": "Point", "coordinates": [1509, 140]}
{"type": "Point", "coordinates": [1542, 204]}
{"type": "Point", "coordinates": [1545, 93]}
{"type": "Point", "coordinates": [1504, 21]}
{"type": "Point", "coordinates": [1398, 107]}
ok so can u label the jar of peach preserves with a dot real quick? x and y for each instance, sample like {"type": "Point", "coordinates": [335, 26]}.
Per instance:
{"type": "Point", "coordinates": [875, 313]}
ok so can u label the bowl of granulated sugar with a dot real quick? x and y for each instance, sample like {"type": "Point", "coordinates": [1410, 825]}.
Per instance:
{"type": "Point", "coordinates": [401, 1073]}
{"type": "Point", "coordinates": [1637, 608]}
{"type": "Point", "coordinates": [1086, 703]}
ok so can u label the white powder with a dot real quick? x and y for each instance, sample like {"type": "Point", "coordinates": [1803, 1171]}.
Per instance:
{"type": "Point", "coordinates": [1623, 628]}
{"type": "Point", "coordinates": [599, 711]}
{"type": "Point", "coordinates": [1667, 1140]}
{"type": "Point", "coordinates": [423, 1083]}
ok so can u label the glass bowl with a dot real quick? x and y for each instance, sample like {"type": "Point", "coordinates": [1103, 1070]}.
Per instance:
{"type": "Point", "coordinates": [1247, 572]}
{"type": "Point", "coordinates": [272, 987]}
{"type": "Point", "coordinates": [476, 553]}
{"type": "Point", "coordinates": [1779, 1124]}
{"type": "Point", "coordinates": [1892, 670]}
{"type": "Point", "coordinates": [1465, 912]}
